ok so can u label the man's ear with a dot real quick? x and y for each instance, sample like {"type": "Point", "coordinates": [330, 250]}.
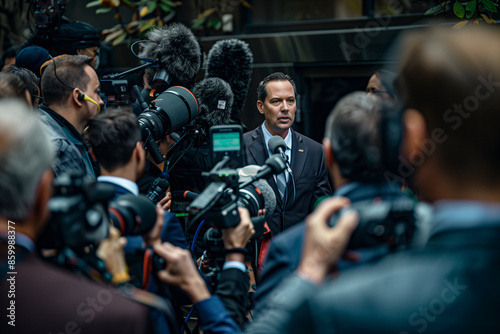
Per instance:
{"type": "Point", "coordinates": [42, 196]}
{"type": "Point", "coordinates": [415, 129]}
{"type": "Point", "coordinates": [140, 153]}
{"type": "Point", "coordinates": [92, 154]}
{"type": "Point", "coordinates": [329, 156]}
{"type": "Point", "coordinates": [260, 106]}
{"type": "Point", "coordinates": [75, 94]}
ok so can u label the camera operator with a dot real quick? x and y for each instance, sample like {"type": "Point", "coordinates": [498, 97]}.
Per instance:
{"type": "Point", "coordinates": [115, 139]}
{"type": "Point", "coordinates": [44, 298]}
{"type": "Point", "coordinates": [233, 285]}
{"type": "Point", "coordinates": [451, 284]}
{"type": "Point", "coordinates": [352, 135]}
{"type": "Point", "coordinates": [70, 88]}
{"type": "Point", "coordinates": [70, 38]}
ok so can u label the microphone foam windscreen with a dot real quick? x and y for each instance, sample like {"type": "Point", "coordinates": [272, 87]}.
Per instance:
{"type": "Point", "coordinates": [215, 99]}
{"type": "Point", "coordinates": [177, 50]}
{"type": "Point", "coordinates": [246, 173]}
{"type": "Point", "coordinates": [268, 194]}
{"type": "Point", "coordinates": [232, 60]}
{"type": "Point", "coordinates": [275, 142]}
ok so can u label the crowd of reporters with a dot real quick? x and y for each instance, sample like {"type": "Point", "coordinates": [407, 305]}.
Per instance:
{"type": "Point", "coordinates": [111, 259]}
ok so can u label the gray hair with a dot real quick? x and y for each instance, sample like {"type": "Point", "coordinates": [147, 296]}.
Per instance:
{"type": "Point", "coordinates": [353, 128]}
{"type": "Point", "coordinates": [25, 153]}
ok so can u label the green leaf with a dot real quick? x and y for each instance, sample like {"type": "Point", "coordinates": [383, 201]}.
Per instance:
{"type": "Point", "coordinates": [119, 39]}
{"type": "Point", "coordinates": [152, 6]}
{"type": "Point", "coordinates": [490, 5]}
{"type": "Point", "coordinates": [459, 10]}
{"type": "Point", "coordinates": [165, 8]}
{"type": "Point", "coordinates": [471, 8]}
{"type": "Point", "coordinates": [437, 9]}
{"type": "Point", "coordinates": [198, 22]}
{"type": "Point", "coordinates": [214, 22]}
{"type": "Point", "coordinates": [93, 3]}
{"type": "Point", "coordinates": [169, 3]}
{"type": "Point", "coordinates": [103, 10]}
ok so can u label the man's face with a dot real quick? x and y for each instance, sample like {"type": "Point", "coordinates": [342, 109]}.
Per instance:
{"type": "Point", "coordinates": [92, 91]}
{"type": "Point", "coordinates": [279, 107]}
{"type": "Point", "coordinates": [376, 88]}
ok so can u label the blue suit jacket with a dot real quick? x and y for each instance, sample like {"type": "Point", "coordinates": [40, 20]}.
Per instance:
{"type": "Point", "coordinates": [285, 250]}
{"type": "Point", "coordinates": [171, 232]}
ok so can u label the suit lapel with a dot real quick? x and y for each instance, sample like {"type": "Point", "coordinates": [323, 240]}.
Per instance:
{"type": "Point", "coordinates": [258, 151]}
{"type": "Point", "coordinates": [299, 155]}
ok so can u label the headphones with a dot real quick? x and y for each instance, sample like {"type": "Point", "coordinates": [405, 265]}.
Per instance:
{"type": "Point", "coordinates": [81, 96]}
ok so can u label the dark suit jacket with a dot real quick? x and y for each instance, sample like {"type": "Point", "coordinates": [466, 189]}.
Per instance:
{"type": "Point", "coordinates": [450, 286]}
{"type": "Point", "coordinates": [309, 171]}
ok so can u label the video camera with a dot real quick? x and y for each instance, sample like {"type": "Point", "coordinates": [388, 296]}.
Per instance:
{"type": "Point", "coordinates": [47, 14]}
{"type": "Point", "coordinates": [388, 222]}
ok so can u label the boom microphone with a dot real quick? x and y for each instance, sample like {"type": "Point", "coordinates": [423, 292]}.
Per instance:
{"type": "Point", "coordinates": [177, 53]}
{"type": "Point", "coordinates": [215, 99]}
{"type": "Point", "coordinates": [231, 60]}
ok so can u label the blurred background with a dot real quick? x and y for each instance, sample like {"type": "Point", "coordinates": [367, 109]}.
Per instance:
{"type": "Point", "coordinates": [330, 47]}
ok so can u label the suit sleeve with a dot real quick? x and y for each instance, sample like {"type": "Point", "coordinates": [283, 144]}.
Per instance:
{"type": "Point", "coordinates": [213, 317]}
{"type": "Point", "coordinates": [233, 292]}
{"type": "Point", "coordinates": [323, 187]}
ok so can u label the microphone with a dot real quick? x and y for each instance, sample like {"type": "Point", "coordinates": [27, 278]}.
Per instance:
{"type": "Point", "coordinates": [275, 164]}
{"type": "Point", "coordinates": [215, 100]}
{"type": "Point", "coordinates": [177, 53]}
{"type": "Point", "coordinates": [277, 145]}
{"type": "Point", "coordinates": [249, 173]}
{"type": "Point", "coordinates": [158, 188]}
{"type": "Point", "coordinates": [232, 60]}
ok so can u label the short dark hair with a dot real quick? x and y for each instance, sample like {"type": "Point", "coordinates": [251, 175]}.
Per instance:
{"type": "Point", "coordinates": [29, 78]}
{"type": "Point", "coordinates": [12, 86]}
{"type": "Point", "coordinates": [71, 70]}
{"type": "Point", "coordinates": [113, 136]}
{"type": "Point", "coordinates": [353, 128]}
{"type": "Point", "coordinates": [277, 76]}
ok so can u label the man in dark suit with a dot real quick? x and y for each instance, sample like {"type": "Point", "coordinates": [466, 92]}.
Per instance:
{"type": "Point", "coordinates": [276, 100]}
{"type": "Point", "coordinates": [449, 82]}
{"type": "Point", "coordinates": [40, 297]}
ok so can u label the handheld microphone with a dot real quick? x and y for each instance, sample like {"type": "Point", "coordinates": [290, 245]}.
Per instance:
{"type": "Point", "coordinates": [277, 145]}
{"type": "Point", "coordinates": [158, 188]}
{"type": "Point", "coordinates": [232, 61]}
{"type": "Point", "coordinates": [177, 52]}
{"type": "Point", "coordinates": [275, 164]}
{"type": "Point", "coordinates": [215, 99]}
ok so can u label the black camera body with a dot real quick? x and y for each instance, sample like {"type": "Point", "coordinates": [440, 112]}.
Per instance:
{"type": "Point", "coordinates": [48, 14]}
{"type": "Point", "coordinates": [78, 213]}
{"type": "Point", "coordinates": [381, 222]}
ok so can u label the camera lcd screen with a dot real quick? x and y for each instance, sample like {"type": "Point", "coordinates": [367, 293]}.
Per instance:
{"type": "Point", "coordinates": [226, 141]}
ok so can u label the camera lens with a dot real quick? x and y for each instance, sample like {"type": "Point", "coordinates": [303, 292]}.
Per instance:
{"type": "Point", "coordinates": [133, 215]}
{"type": "Point", "coordinates": [251, 198]}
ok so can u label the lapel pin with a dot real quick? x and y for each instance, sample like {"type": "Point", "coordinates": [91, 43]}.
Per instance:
{"type": "Point", "coordinates": [301, 150]}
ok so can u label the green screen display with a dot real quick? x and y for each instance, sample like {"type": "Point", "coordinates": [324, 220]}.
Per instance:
{"type": "Point", "coordinates": [226, 141]}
